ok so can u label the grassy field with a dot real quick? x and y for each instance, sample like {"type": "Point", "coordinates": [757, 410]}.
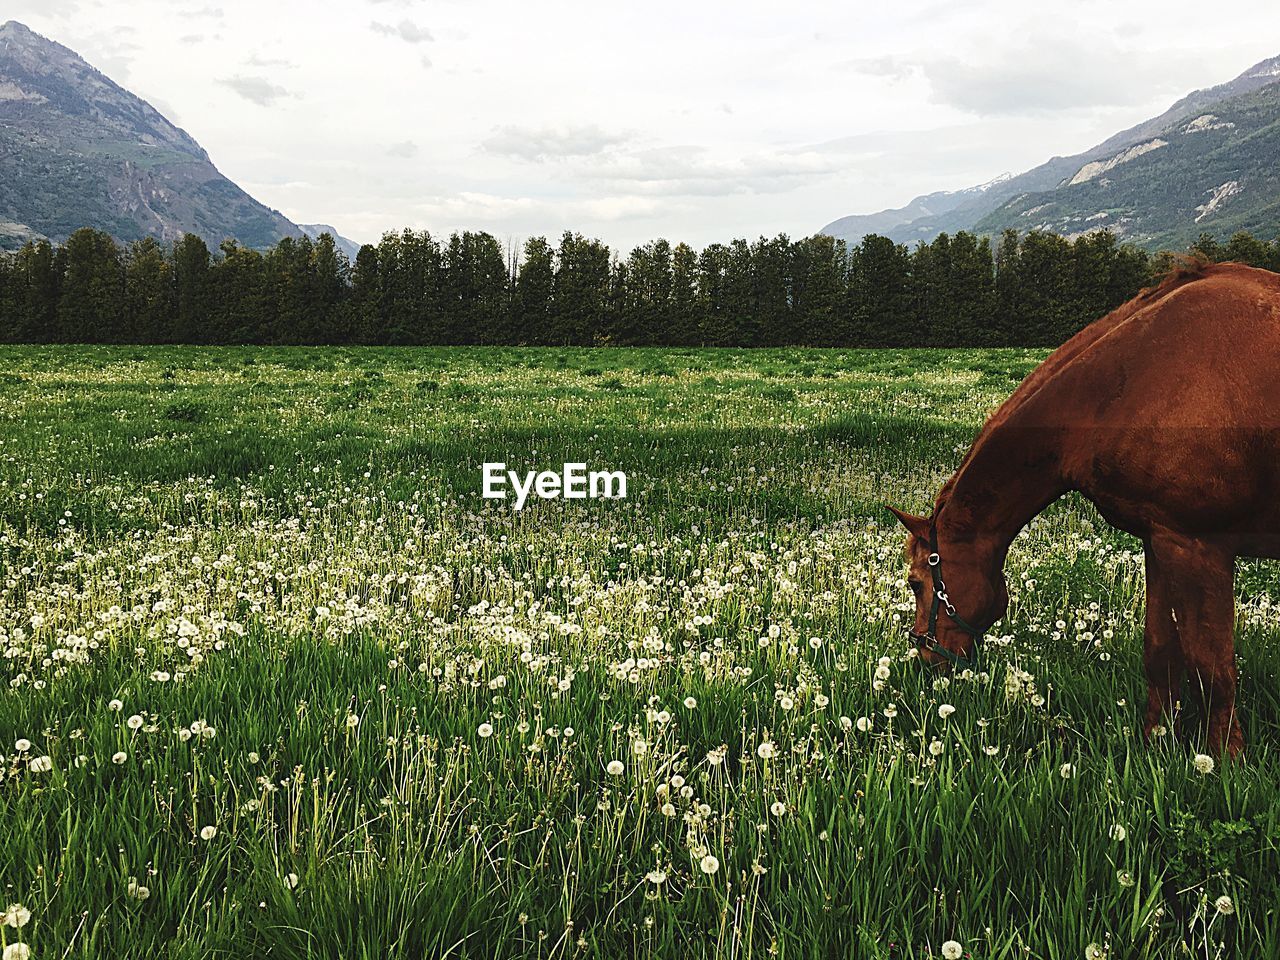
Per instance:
{"type": "Point", "coordinates": [281, 684]}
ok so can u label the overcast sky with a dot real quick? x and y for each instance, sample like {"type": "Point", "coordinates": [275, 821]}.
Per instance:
{"type": "Point", "coordinates": [696, 120]}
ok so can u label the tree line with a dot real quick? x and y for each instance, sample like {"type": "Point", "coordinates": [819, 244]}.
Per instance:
{"type": "Point", "coordinates": [1035, 289]}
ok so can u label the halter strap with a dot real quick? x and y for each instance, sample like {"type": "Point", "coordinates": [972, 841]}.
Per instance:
{"type": "Point", "coordinates": [929, 641]}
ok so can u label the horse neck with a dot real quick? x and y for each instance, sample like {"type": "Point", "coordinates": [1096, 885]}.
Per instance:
{"type": "Point", "coordinates": [1011, 474]}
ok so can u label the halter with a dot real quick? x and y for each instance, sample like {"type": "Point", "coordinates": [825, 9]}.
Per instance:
{"type": "Point", "coordinates": [929, 641]}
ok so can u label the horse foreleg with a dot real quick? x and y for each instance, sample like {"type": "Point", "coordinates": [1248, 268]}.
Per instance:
{"type": "Point", "coordinates": [1161, 654]}
{"type": "Point", "coordinates": [1201, 604]}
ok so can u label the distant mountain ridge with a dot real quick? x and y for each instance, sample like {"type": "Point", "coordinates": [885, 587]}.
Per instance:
{"type": "Point", "coordinates": [76, 150]}
{"type": "Point", "coordinates": [1046, 198]}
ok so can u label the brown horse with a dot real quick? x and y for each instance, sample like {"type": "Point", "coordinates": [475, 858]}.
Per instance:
{"type": "Point", "coordinates": [1166, 415]}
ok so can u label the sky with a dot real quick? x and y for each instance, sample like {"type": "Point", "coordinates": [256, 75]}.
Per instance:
{"type": "Point", "coordinates": [696, 121]}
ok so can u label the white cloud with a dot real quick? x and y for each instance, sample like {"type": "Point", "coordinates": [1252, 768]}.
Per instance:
{"type": "Point", "coordinates": [257, 90]}
{"type": "Point", "coordinates": [547, 143]}
{"type": "Point", "coordinates": [1038, 71]}
{"type": "Point", "coordinates": [406, 30]}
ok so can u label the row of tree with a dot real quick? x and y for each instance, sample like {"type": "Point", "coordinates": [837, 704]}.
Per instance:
{"type": "Point", "coordinates": [412, 288]}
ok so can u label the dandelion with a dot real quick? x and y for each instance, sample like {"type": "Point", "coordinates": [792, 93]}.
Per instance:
{"type": "Point", "coordinates": [40, 764]}
{"type": "Point", "coordinates": [115, 706]}
{"type": "Point", "coordinates": [639, 748]}
{"type": "Point", "coordinates": [937, 747]}
{"type": "Point", "coordinates": [615, 768]}
{"type": "Point", "coordinates": [119, 757]}
{"type": "Point", "coordinates": [891, 711]}
{"type": "Point", "coordinates": [656, 877]}
{"type": "Point", "coordinates": [16, 916]}
{"type": "Point", "coordinates": [134, 722]}
{"type": "Point", "coordinates": [22, 745]}
{"type": "Point", "coordinates": [1094, 952]}
{"type": "Point", "coordinates": [1067, 771]}
{"type": "Point", "coordinates": [17, 951]}
{"type": "Point", "coordinates": [945, 710]}
{"type": "Point", "coordinates": [291, 881]}
{"type": "Point", "coordinates": [1125, 878]}
{"type": "Point", "coordinates": [709, 864]}
{"type": "Point", "coordinates": [1224, 905]}
{"type": "Point", "coordinates": [136, 890]}
{"type": "Point", "coordinates": [766, 750]}
{"type": "Point", "coordinates": [691, 703]}
{"type": "Point", "coordinates": [786, 703]}
{"type": "Point", "coordinates": [1203, 764]}
{"type": "Point", "coordinates": [991, 750]}
{"type": "Point", "coordinates": [778, 809]}
{"type": "Point", "coordinates": [209, 832]}
{"type": "Point", "coordinates": [952, 950]}
{"type": "Point", "coordinates": [353, 721]}
{"type": "Point", "coordinates": [864, 724]}
{"type": "Point", "coordinates": [485, 731]}
{"type": "Point", "coordinates": [1118, 833]}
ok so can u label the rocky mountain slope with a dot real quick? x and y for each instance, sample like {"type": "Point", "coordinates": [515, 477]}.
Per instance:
{"type": "Point", "coordinates": [1207, 163]}
{"type": "Point", "coordinates": [78, 150]}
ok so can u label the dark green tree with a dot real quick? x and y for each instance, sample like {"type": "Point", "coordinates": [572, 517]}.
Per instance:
{"type": "Point", "coordinates": [531, 297]}
{"type": "Point", "coordinates": [91, 308]}
{"type": "Point", "coordinates": [149, 294]}
{"type": "Point", "coordinates": [192, 291]}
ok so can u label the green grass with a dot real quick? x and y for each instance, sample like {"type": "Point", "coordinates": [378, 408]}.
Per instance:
{"type": "Point", "coordinates": [289, 547]}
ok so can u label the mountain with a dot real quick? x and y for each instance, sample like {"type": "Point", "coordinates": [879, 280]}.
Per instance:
{"type": "Point", "coordinates": [78, 150]}
{"type": "Point", "coordinates": [314, 230]}
{"type": "Point", "coordinates": [1208, 163]}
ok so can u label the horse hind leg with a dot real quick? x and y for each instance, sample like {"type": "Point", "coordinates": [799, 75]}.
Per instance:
{"type": "Point", "coordinates": [1161, 653]}
{"type": "Point", "coordinates": [1201, 607]}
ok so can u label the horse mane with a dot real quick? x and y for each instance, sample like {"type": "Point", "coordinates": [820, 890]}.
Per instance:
{"type": "Point", "coordinates": [1183, 267]}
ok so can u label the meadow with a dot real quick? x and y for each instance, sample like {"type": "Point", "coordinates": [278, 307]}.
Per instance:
{"type": "Point", "coordinates": [279, 683]}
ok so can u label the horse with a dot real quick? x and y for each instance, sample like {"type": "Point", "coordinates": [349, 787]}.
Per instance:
{"type": "Point", "coordinates": [1165, 414]}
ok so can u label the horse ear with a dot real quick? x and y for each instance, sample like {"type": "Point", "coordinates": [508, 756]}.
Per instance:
{"type": "Point", "coordinates": [919, 526]}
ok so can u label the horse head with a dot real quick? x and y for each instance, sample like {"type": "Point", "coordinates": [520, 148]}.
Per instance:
{"type": "Point", "coordinates": [960, 592]}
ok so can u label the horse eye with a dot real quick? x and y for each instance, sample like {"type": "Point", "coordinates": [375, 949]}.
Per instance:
{"type": "Point", "coordinates": [915, 584]}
